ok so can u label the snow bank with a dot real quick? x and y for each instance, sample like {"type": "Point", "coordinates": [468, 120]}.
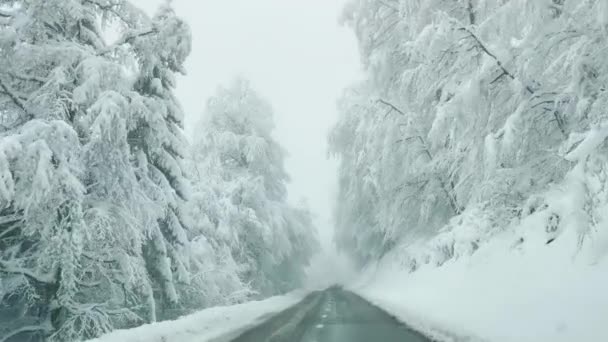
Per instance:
{"type": "Point", "coordinates": [531, 291]}
{"type": "Point", "coordinates": [208, 325]}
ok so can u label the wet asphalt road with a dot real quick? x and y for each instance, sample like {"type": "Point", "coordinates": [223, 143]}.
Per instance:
{"type": "Point", "coordinates": [333, 315]}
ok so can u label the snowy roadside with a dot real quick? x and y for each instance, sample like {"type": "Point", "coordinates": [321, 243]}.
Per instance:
{"type": "Point", "coordinates": [207, 325]}
{"type": "Point", "coordinates": [543, 293]}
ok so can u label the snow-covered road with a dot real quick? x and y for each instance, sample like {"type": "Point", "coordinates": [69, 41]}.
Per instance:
{"type": "Point", "coordinates": [333, 315]}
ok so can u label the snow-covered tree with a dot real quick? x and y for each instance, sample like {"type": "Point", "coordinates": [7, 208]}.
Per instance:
{"type": "Point", "coordinates": [91, 183]}
{"type": "Point", "coordinates": [217, 276]}
{"type": "Point", "coordinates": [469, 106]}
{"type": "Point", "coordinates": [271, 239]}
{"type": "Point", "coordinates": [159, 147]}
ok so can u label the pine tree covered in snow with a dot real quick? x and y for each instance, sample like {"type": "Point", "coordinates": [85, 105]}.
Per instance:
{"type": "Point", "coordinates": [472, 110]}
{"type": "Point", "coordinates": [160, 146]}
{"type": "Point", "coordinates": [271, 239]}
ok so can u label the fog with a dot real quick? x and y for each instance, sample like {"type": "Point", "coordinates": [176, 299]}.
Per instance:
{"type": "Point", "coordinates": [297, 56]}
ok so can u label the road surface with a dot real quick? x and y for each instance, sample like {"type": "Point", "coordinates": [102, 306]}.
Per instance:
{"type": "Point", "coordinates": [333, 315]}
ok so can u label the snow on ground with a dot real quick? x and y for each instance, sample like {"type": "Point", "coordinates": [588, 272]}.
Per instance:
{"type": "Point", "coordinates": [207, 325]}
{"type": "Point", "coordinates": [502, 293]}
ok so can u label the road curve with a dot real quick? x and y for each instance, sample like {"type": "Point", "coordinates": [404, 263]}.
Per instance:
{"type": "Point", "coordinates": [333, 315]}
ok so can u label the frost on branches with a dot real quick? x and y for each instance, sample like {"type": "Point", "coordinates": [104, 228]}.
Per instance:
{"type": "Point", "coordinates": [474, 114]}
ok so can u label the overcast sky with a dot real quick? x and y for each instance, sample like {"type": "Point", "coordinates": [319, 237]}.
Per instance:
{"type": "Point", "coordinates": [296, 55]}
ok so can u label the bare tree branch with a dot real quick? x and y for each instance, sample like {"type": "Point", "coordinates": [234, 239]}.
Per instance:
{"type": "Point", "coordinates": [498, 77]}
{"type": "Point", "coordinates": [393, 107]}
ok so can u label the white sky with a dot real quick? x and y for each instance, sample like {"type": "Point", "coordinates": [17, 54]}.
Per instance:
{"type": "Point", "coordinates": [296, 55]}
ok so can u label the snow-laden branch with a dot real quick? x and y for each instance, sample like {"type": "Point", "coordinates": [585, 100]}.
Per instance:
{"type": "Point", "coordinates": [97, 258]}
{"type": "Point", "coordinates": [89, 284]}
{"type": "Point", "coordinates": [498, 62]}
{"type": "Point", "coordinates": [25, 329]}
{"type": "Point", "coordinates": [505, 72]}
{"type": "Point", "coordinates": [126, 39]}
{"type": "Point", "coordinates": [5, 89]}
{"type": "Point", "coordinates": [588, 143]}
{"type": "Point", "coordinates": [9, 229]}
{"type": "Point", "coordinates": [449, 192]}
{"type": "Point", "coordinates": [6, 267]}
{"type": "Point", "coordinates": [29, 78]}
{"type": "Point", "coordinates": [9, 218]}
{"type": "Point", "coordinates": [6, 14]}
{"type": "Point", "coordinates": [109, 8]}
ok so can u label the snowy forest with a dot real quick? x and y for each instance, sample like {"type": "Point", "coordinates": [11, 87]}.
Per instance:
{"type": "Point", "coordinates": [478, 125]}
{"type": "Point", "coordinates": [109, 216]}
{"type": "Point", "coordinates": [476, 116]}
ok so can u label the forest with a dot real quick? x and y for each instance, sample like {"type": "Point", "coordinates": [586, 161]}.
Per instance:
{"type": "Point", "coordinates": [476, 136]}
{"type": "Point", "coordinates": [109, 216]}
{"type": "Point", "coordinates": [474, 116]}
